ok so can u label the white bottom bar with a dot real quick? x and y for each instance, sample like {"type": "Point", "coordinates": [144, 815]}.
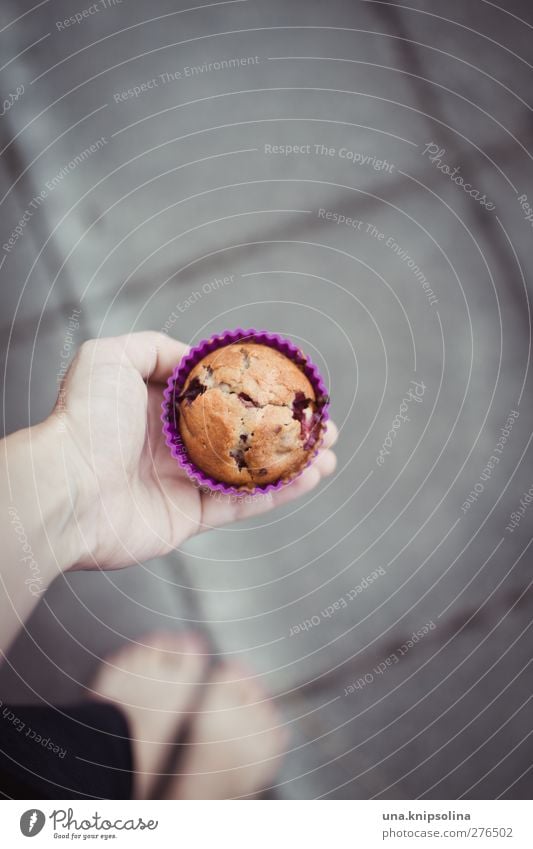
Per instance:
{"type": "Point", "coordinates": [263, 825]}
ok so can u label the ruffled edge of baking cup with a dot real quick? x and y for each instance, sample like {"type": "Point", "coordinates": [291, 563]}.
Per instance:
{"type": "Point", "coordinates": [177, 380]}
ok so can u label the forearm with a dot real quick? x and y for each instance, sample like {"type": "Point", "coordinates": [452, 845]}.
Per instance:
{"type": "Point", "coordinates": [36, 522]}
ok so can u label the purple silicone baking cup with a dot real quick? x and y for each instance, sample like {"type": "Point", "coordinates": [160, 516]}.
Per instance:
{"type": "Point", "coordinates": [177, 380]}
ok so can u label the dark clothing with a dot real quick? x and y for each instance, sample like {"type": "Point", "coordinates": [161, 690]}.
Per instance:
{"type": "Point", "coordinates": [81, 752]}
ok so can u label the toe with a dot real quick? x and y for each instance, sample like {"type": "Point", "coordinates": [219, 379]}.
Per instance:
{"type": "Point", "coordinates": [176, 647]}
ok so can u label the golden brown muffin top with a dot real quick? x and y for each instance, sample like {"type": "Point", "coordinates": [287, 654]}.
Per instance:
{"type": "Point", "coordinates": [248, 415]}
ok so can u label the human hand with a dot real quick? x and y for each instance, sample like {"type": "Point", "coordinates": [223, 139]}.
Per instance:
{"type": "Point", "coordinates": [131, 501]}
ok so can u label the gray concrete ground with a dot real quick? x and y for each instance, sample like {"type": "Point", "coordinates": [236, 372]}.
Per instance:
{"type": "Point", "coordinates": [184, 189]}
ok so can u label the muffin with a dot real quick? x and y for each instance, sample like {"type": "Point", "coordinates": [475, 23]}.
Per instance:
{"type": "Point", "coordinates": [248, 415]}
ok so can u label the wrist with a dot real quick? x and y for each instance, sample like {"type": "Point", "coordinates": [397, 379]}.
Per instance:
{"type": "Point", "coordinates": [43, 494]}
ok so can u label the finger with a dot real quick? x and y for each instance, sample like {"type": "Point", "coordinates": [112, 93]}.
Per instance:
{"type": "Point", "coordinates": [153, 354]}
{"type": "Point", "coordinates": [331, 434]}
{"type": "Point", "coordinates": [220, 509]}
{"type": "Point", "coordinates": [324, 465]}
{"type": "Point", "coordinates": [326, 462]}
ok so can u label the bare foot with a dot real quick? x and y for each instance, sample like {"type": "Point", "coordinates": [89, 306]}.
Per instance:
{"type": "Point", "coordinates": [154, 684]}
{"type": "Point", "coordinates": [236, 742]}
